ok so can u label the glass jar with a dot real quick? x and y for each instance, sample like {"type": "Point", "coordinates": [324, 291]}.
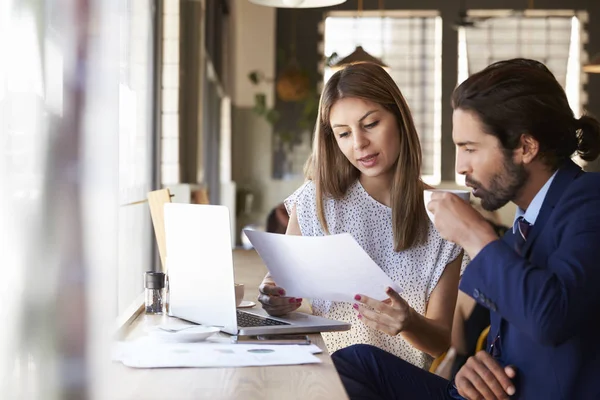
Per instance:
{"type": "Point", "coordinates": [155, 292]}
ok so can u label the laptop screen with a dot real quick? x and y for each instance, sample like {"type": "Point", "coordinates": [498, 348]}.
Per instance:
{"type": "Point", "coordinates": [200, 264]}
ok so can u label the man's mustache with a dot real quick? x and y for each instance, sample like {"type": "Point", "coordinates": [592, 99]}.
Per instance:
{"type": "Point", "coordinates": [472, 182]}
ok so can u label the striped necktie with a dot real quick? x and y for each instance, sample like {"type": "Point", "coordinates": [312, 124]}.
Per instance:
{"type": "Point", "coordinates": [522, 230]}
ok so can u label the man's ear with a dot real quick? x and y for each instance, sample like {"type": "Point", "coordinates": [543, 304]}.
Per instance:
{"type": "Point", "coordinates": [529, 147]}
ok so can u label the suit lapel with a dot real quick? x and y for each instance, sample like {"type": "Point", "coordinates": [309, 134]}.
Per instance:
{"type": "Point", "coordinates": [563, 178]}
{"type": "Point", "coordinates": [510, 238]}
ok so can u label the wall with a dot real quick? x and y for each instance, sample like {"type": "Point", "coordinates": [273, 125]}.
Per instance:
{"type": "Point", "coordinates": [253, 48]}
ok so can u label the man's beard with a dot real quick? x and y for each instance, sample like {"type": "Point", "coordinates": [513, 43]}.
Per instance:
{"type": "Point", "coordinates": [504, 185]}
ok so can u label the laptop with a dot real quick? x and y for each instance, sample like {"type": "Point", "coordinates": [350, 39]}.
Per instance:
{"type": "Point", "coordinates": [201, 280]}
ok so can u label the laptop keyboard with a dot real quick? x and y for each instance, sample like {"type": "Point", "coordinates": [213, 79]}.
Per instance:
{"type": "Point", "coordinates": [246, 320]}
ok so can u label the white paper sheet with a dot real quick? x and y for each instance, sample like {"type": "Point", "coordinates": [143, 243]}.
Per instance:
{"type": "Point", "coordinates": [332, 267]}
{"type": "Point", "coordinates": [148, 353]}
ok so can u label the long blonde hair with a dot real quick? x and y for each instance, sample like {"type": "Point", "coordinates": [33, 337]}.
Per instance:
{"type": "Point", "coordinates": [333, 174]}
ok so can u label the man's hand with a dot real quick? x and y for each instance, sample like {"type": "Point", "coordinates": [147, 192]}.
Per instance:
{"type": "Point", "coordinates": [390, 316]}
{"type": "Point", "coordinates": [460, 223]}
{"type": "Point", "coordinates": [483, 378]}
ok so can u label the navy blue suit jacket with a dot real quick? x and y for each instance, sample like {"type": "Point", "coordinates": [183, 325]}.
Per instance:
{"type": "Point", "coordinates": [545, 304]}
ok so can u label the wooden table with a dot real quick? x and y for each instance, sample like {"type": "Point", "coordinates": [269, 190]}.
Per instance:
{"type": "Point", "coordinates": [312, 381]}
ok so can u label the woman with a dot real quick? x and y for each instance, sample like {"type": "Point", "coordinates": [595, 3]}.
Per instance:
{"type": "Point", "coordinates": [364, 179]}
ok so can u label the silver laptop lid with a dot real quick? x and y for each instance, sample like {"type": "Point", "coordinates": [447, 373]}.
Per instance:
{"type": "Point", "coordinates": [200, 264]}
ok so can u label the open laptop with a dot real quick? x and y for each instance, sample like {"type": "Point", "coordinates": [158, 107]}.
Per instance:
{"type": "Point", "coordinates": [201, 280]}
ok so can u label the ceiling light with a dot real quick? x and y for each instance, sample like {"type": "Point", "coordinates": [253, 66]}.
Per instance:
{"type": "Point", "coordinates": [358, 55]}
{"type": "Point", "coordinates": [298, 3]}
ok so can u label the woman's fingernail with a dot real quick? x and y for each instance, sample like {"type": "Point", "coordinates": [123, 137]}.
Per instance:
{"type": "Point", "coordinates": [357, 297]}
{"type": "Point", "coordinates": [298, 300]}
{"type": "Point", "coordinates": [282, 292]}
{"type": "Point", "coordinates": [510, 390]}
{"type": "Point", "coordinates": [292, 300]}
{"type": "Point", "coordinates": [359, 316]}
{"type": "Point", "coordinates": [355, 306]}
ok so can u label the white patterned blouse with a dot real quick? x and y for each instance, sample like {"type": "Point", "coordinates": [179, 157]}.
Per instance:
{"type": "Point", "coordinates": [417, 270]}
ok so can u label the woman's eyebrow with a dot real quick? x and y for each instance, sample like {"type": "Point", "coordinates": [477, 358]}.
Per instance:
{"type": "Point", "coordinates": [360, 120]}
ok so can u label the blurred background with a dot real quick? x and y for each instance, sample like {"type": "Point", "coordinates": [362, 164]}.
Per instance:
{"type": "Point", "coordinates": [102, 101]}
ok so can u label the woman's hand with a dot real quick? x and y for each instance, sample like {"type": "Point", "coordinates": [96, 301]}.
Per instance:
{"type": "Point", "coordinates": [274, 302]}
{"type": "Point", "coordinates": [390, 316]}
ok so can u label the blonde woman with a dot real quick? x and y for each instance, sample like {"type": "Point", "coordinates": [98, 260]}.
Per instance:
{"type": "Point", "coordinates": [363, 178]}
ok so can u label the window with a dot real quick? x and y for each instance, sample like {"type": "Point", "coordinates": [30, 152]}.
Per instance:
{"type": "Point", "coordinates": [136, 148]}
{"type": "Point", "coordinates": [76, 162]}
{"type": "Point", "coordinates": [410, 44]}
{"type": "Point", "coordinates": [33, 86]}
{"type": "Point", "coordinates": [551, 37]}
{"type": "Point", "coordinates": [169, 92]}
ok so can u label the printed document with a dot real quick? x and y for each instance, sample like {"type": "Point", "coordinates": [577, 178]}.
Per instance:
{"type": "Point", "coordinates": [332, 267]}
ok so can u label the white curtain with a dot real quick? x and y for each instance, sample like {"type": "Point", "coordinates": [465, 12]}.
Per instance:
{"type": "Point", "coordinates": [59, 128]}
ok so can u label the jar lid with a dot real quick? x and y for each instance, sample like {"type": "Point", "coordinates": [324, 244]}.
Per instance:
{"type": "Point", "coordinates": [154, 280]}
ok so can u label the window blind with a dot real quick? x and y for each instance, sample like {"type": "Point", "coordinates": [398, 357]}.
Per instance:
{"type": "Point", "coordinates": [410, 44]}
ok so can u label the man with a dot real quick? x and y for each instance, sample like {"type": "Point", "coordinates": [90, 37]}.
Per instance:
{"type": "Point", "coordinates": [515, 134]}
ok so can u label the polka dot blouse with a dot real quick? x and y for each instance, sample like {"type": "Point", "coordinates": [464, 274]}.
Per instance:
{"type": "Point", "coordinates": [416, 270]}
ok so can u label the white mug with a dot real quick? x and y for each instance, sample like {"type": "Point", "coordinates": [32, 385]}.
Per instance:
{"type": "Point", "coordinates": [463, 194]}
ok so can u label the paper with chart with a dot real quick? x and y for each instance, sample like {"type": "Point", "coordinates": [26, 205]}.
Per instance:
{"type": "Point", "coordinates": [332, 267]}
{"type": "Point", "coordinates": [147, 352]}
